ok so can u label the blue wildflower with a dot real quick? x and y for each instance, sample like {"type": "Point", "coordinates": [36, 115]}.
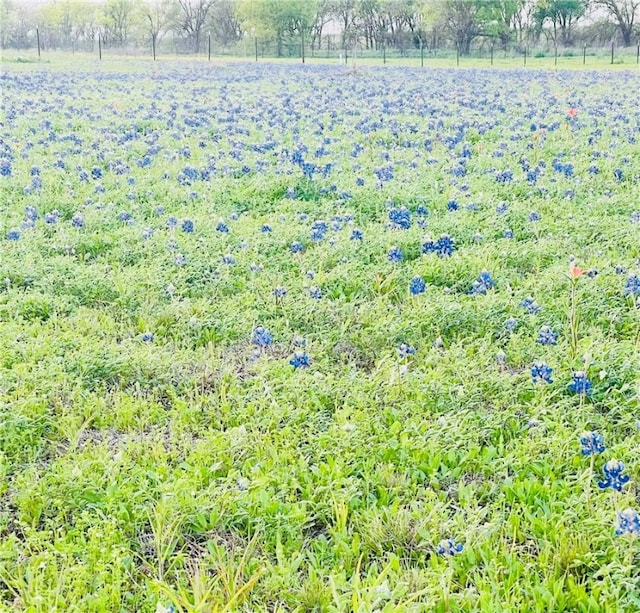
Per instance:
{"type": "Point", "coordinates": [546, 336]}
{"type": "Point", "coordinates": [613, 476]}
{"type": "Point", "coordinates": [508, 233]}
{"type": "Point", "coordinates": [405, 350]}
{"type": "Point", "coordinates": [511, 324]}
{"type": "Point", "coordinates": [222, 227]}
{"type": "Point", "coordinates": [262, 337]}
{"type": "Point", "coordinates": [534, 216]}
{"type": "Point", "coordinates": [417, 285]}
{"type": "Point", "coordinates": [188, 226]}
{"type": "Point", "coordinates": [77, 221]}
{"type": "Point", "coordinates": [147, 337]}
{"type": "Point", "coordinates": [541, 372]}
{"type": "Point", "coordinates": [315, 292]}
{"type": "Point", "coordinates": [356, 235]}
{"type": "Point", "coordinates": [530, 305]}
{"type": "Point", "coordinates": [228, 259]}
{"type": "Point", "coordinates": [483, 283]}
{"type": "Point", "coordinates": [628, 522]}
{"type": "Point", "coordinates": [266, 228]}
{"type": "Point", "coordinates": [300, 360]}
{"type": "Point", "coordinates": [448, 547]}
{"type": "Point", "coordinates": [400, 218]}
{"type": "Point", "coordinates": [452, 205]}
{"type": "Point", "coordinates": [632, 286]}
{"type": "Point", "coordinates": [592, 443]}
{"type": "Point", "coordinates": [280, 292]}
{"type": "Point", "coordinates": [580, 384]}
{"type": "Point", "coordinates": [395, 255]}
{"type": "Point", "coordinates": [296, 247]}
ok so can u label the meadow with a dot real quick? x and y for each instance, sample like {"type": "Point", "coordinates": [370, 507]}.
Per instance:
{"type": "Point", "coordinates": [314, 338]}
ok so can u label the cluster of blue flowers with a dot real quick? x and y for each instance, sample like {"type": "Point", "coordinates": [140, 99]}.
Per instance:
{"type": "Point", "coordinates": [483, 283]}
{"type": "Point", "coordinates": [443, 246]}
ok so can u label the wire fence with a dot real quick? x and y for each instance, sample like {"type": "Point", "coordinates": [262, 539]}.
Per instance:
{"type": "Point", "coordinates": [336, 49]}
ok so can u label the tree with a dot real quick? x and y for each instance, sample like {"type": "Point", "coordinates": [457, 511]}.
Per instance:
{"type": "Point", "coordinates": [224, 22]}
{"type": "Point", "coordinates": [624, 14]}
{"type": "Point", "coordinates": [159, 15]}
{"type": "Point", "coordinates": [563, 15]}
{"type": "Point", "coordinates": [119, 19]}
{"type": "Point", "coordinates": [193, 17]}
{"type": "Point", "coordinates": [465, 20]}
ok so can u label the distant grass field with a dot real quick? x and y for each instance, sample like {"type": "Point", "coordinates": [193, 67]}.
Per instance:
{"type": "Point", "coordinates": [278, 337]}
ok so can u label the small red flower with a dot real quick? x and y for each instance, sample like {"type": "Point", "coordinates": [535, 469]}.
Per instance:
{"type": "Point", "coordinates": [576, 271]}
{"type": "Point", "coordinates": [572, 113]}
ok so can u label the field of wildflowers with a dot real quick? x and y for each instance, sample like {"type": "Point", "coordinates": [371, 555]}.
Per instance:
{"type": "Point", "coordinates": [308, 338]}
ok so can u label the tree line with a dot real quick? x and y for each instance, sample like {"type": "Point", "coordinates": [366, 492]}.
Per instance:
{"type": "Point", "coordinates": [368, 24]}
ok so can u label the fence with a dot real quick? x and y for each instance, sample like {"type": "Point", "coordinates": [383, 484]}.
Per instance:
{"type": "Point", "coordinates": [334, 49]}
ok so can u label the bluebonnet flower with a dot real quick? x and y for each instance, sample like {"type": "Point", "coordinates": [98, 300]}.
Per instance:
{"type": "Point", "coordinates": [125, 217]}
{"type": "Point", "coordinates": [52, 217]}
{"type": "Point", "coordinates": [266, 228]}
{"type": "Point", "coordinates": [77, 221]}
{"type": "Point", "coordinates": [541, 372]}
{"type": "Point", "coordinates": [315, 292]}
{"type": "Point", "coordinates": [534, 216]}
{"type": "Point", "coordinates": [546, 336]}
{"type": "Point", "coordinates": [593, 169]}
{"type": "Point", "coordinates": [13, 235]}
{"type": "Point", "coordinates": [452, 205]}
{"type": "Point", "coordinates": [613, 476]}
{"type": "Point", "coordinates": [222, 227]}
{"type": "Point", "coordinates": [405, 350]}
{"type": "Point", "coordinates": [30, 212]}
{"type": "Point", "coordinates": [443, 247]}
{"type": "Point", "coordinates": [5, 168]}
{"type": "Point", "coordinates": [356, 235]}
{"type": "Point", "coordinates": [310, 274]}
{"type": "Point", "coordinates": [511, 324]}
{"type": "Point", "coordinates": [632, 286]}
{"type": "Point", "coordinates": [262, 337]}
{"type": "Point", "coordinates": [618, 174]}
{"type": "Point", "coordinates": [159, 210]}
{"type": "Point", "coordinates": [483, 283]}
{"type": "Point", "coordinates": [296, 247]}
{"type": "Point", "coordinates": [188, 226]}
{"type": "Point", "coordinates": [228, 259]}
{"type": "Point", "coordinates": [298, 341]}
{"type": "Point", "coordinates": [635, 217]}
{"type": "Point", "coordinates": [501, 358]}
{"type": "Point", "coordinates": [628, 522]}
{"type": "Point", "coordinates": [395, 255]}
{"type": "Point", "coordinates": [592, 443]}
{"type": "Point", "coordinates": [180, 259]}
{"type": "Point", "coordinates": [530, 305]}
{"type": "Point", "coordinates": [147, 337]}
{"type": "Point", "coordinates": [508, 233]}
{"type": "Point", "coordinates": [300, 360]}
{"type": "Point", "coordinates": [580, 384]}
{"type": "Point", "coordinates": [290, 193]}
{"type": "Point", "coordinates": [147, 233]}
{"type": "Point", "coordinates": [400, 218]}
{"type": "Point", "coordinates": [448, 547]}
{"type": "Point", "coordinates": [96, 172]}
{"type": "Point", "coordinates": [422, 211]}
{"type": "Point", "coordinates": [502, 208]}
{"type": "Point", "coordinates": [417, 285]}
{"type": "Point", "coordinates": [253, 267]}
{"type": "Point", "coordinates": [280, 292]}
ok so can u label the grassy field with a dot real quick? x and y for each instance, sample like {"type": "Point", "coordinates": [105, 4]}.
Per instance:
{"type": "Point", "coordinates": [303, 338]}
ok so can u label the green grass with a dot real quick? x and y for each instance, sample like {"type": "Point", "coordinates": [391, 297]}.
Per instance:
{"type": "Point", "coordinates": [200, 472]}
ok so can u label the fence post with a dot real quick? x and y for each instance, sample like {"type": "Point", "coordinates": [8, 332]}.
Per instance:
{"type": "Point", "coordinates": [612, 53]}
{"type": "Point", "coordinates": [638, 54]}
{"type": "Point", "coordinates": [492, 54]}
{"type": "Point", "coordinates": [555, 55]}
{"type": "Point", "coordinates": [256, 43]}
{"type": "Point", "coordinates": [345, 52]}
{"type": "Point", "coordinates": [99, 47]}
{"type": "Point", "coordinates": [457, 55]}
{"type": "Point", "coordinates": [525, 55]}
{"type": "Point", "coordinates": [421, 53]}
{"type": "Point", "coordinates": [302, 46]}
{"type": "Point", "coordinates": [584, 55]}
{"type": "Point", "coordinates": [38, 39]}
{"type": "Point", "coordinates": [384, 54]}
{"type": "Point", "coordinates": [209, 47]}
{"type": "Point", "coordinates": [153, 45]}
